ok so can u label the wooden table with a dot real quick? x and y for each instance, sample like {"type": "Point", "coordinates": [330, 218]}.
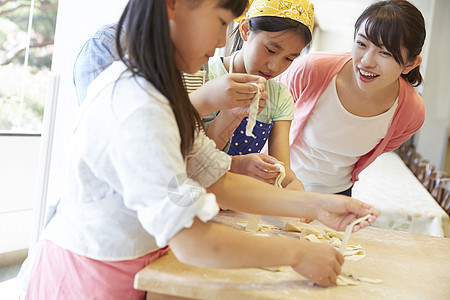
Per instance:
{"type": "Point", "coordinates": [412, 266]}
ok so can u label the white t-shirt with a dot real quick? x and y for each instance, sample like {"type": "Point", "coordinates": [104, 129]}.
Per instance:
{"type": "Point", "coordinates": [129, 190]}
{"type": "Point", "coordinates": [333, 141]}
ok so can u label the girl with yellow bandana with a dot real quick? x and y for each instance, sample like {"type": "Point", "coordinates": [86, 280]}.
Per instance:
{"type": "Point", "coordinates": [269, 37]}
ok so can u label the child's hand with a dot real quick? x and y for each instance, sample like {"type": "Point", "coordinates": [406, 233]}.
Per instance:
{"type": "Point", "coordinates": [242, 112]}
{"type": "Point", "coordinates": [338, 211]}
{"type": "Point", "coordinates": [257, 165]}
{"type": "Point", "coordinates": [226, 92]}
{"type": "Point", "coordinates": [263, 96]}
{"type": "Point", "coordinates": [320, 263]}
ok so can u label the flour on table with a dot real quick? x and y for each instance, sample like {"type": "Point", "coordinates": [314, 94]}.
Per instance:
{"type": "Point", "coordinates": [260, 227]}
{"type": "Point", "coordinates": [319, 234]}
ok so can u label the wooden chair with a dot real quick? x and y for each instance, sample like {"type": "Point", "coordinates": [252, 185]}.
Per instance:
{"type": "Point", "coordinates": [433, 180]}
{"type": "Point", "coordinates": [424, 170]}
{"type": "Point", "coordinates": [414, 162]}
{"type": "Point", "coordinates": [442, 194]}
{"type": "Point", "coordinates": [405, 152]}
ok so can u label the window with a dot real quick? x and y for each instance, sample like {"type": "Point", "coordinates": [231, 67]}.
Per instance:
{"type": "Point", "coordinates": [27, 29]}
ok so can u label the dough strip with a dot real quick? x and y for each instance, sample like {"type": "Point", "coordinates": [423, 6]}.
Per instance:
{"type": "Point", "coordinates": [252, 114]}
{"type": "Point", "coordinates": [348, 232]}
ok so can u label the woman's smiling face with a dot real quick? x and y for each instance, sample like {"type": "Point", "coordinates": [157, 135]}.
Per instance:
{"type": "Point", "coordinates": [374, 67]}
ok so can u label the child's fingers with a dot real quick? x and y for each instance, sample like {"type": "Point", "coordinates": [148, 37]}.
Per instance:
{"type": "Point", "coordinates": [261, 175]}
{"type": "Point", "coordinates": [341, 260]}
{"type": "Point", "coordinates": [245, 89]}
{"type": "Point", "coordinates": [361, 209]}
{"type": "Point", "coordinates": [269, 169]}
{"type": "Point", "coordinates": [270, 160]}
{"type": "Point", "coordinates": [266, 175]}
{"type": "Point", "coordinates": [246, 78]}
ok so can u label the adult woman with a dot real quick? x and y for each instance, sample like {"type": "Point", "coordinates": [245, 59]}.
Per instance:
{"type": "Point", "coordinates": [350, 108]}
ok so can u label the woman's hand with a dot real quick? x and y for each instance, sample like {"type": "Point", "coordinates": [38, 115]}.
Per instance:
{"type": "Point", "coordinates": [338, 211]}
{"type": "Point", "coordinates": [257, 165]}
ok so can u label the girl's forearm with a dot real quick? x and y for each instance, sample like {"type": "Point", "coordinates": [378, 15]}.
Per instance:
{"type": "Point", "coordinates": [221, 128]}
{"type": "Point", "coordinates": [201, 104]}
{"type": "Point", "coordinates": [292, 181]}
{"type": "Point", "coordinates": [215, 246]}
{"type": "Point", "coordinates": [246, 194]}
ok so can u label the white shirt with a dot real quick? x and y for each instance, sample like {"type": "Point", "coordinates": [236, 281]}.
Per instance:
{"type": "Point", "coordinates": [128, 190]}
{"type": "Point", "coordinates": [333, 140]}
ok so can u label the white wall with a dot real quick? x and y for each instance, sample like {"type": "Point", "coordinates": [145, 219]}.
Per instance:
{"type": "Point", "coordinates": [77, 20]}
{"type": "Point", "coordinates": [19, 155]}
{"type": "Point", "coordinates": [18, 164]}
{"type": "Point", "coordinates": [335, 21]}
{"type": "Point", "coordinates": [432, 139]}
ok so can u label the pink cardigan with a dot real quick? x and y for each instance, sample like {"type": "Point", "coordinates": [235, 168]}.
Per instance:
{"type": "Point", "coordinates": [309, 76]}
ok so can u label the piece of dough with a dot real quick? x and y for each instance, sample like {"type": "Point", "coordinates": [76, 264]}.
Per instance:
{"type": "Point", "coordinates": [312, 238]}
{"type": "Point", "coordinates": [335, 242]}
{"type": "Point", "coordinates": [354, 253]}
{"type": "Point", "coordinates": [252, 223]}
{"type": "Point", "coordinates": [348, 232]}
{"type": "Point", "coordinates": [331, 234]}
{"type": "Point", "coordinates": [260, 227]}
{"type": "Point", "coordinates": [251, 121]}
{"type": "Point", "coordinates": [280, 176]}
{"type": "Point", "coordinates": [344, 280]}
{"type": "Point", "coordinates": [305, 228]}
{"type": "Point", "coordinates": [317, 234]}
{"type": "Point", "coordinates": [349, 279]}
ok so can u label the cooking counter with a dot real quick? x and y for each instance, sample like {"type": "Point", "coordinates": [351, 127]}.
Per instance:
{"type": "Point", "coordinates": [412, 266]}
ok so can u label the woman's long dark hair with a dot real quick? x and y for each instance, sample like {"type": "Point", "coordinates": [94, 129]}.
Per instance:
{"type": "Point", "coordinates": [148, 51]}
{"type": "Point", "coordinates": [396, 23]}
{"type": "Point", "coordinates": [271, 24]}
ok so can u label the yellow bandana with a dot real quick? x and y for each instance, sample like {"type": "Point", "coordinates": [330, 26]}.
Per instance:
{"type": "Point", "coordinates": [299, 10]}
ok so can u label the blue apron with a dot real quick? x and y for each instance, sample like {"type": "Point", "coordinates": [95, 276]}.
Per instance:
{"type": "Point", "coordinates": [243, 144]}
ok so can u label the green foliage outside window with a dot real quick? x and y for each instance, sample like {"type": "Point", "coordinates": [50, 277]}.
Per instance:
{"type": "Point", "coordinates": [15, 78]}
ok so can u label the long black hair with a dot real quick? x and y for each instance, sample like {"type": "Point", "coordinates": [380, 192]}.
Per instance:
{"type": "Point", "coordinates": [396, 23]}
{"type": "Point", "coordinates": [271, 24]}
{"type": "Point", "coordinates": [148, 51]}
